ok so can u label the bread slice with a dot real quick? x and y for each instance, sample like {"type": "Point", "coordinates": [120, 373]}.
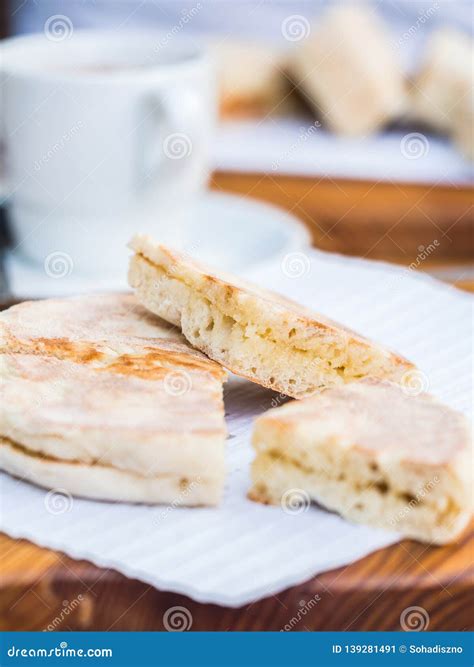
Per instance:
{"type": "Point", "coordinates": [463, 124]}
{"type": "Point", "coordinates": [98, 383]}
{"type": "Point", "coordinates": [443, 86]}
{"type": "Point", "coordinates": [254, 333]}
{"type": "Point", "coordinates": [373, 453]}
{"type": "Point", "coordinates": [348, 71]}
{"type": "Point", "coordinates": [105, 482]}
{"type": "Point", "coordinates": [251, 79]}
{"type": "Point", "coordinates": [93, 329]}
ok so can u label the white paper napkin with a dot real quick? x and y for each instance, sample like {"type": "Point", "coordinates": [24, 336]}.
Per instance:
{"type": "Point", "coordinates": [243, 551]}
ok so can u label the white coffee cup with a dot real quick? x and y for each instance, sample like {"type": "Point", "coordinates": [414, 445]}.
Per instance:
{"type": "Point", "coordinates": [106, 134]}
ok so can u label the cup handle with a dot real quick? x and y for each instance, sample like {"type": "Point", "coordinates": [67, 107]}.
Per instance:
{"type": "Point", "coordinates": [166, 135]}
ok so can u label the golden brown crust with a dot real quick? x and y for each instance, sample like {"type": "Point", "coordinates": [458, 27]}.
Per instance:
{"type": "Point", "coordinates": [110, 331]}
{"type": "Point", "coordinates": [120, 391]}
{"type": "Point", "coordinates": [247, 302]}
{"type": "Point", "coordinates": [171, 420]}
{"type": "Point", "coordinates": [378, 417]}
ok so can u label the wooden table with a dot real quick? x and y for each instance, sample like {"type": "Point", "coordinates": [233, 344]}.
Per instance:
{"type": "Point", "coordinates": [41, 588]}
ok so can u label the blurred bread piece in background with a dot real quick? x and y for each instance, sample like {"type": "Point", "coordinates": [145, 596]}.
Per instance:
{"type": "Point", "coordinates": [251, 79]}
{"type": "Point", "coordinates": [444, 80]}
{"type": "Point", "coordinates": [442, 92]}
{"type": "Point", "coordinates": [349, 73]}
{"type": "Point", "coordinates": [463, 126]}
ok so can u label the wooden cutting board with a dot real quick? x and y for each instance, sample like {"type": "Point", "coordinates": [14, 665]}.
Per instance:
{"type": "Point", "coordinates": [42, 589]}
{"type": "Point", "coordinates": [377, 220]}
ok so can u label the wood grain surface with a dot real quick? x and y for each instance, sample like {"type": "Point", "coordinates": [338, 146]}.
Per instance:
{"type": "Point", "coordinates": [42, 589]}
{"type": "Point", "coordinates": [384, 220]}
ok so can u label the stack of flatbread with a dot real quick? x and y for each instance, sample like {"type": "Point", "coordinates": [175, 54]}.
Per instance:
{"type": "Point", "coordinates": [120, 397]}
{"type": "Point", "coordinates": [101, 398]}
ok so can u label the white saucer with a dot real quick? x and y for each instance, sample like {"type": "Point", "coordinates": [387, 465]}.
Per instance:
{"type": "Point", "coordinates": [235, 233]}
{"type": "Point", "coordinates": [238, 233]}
